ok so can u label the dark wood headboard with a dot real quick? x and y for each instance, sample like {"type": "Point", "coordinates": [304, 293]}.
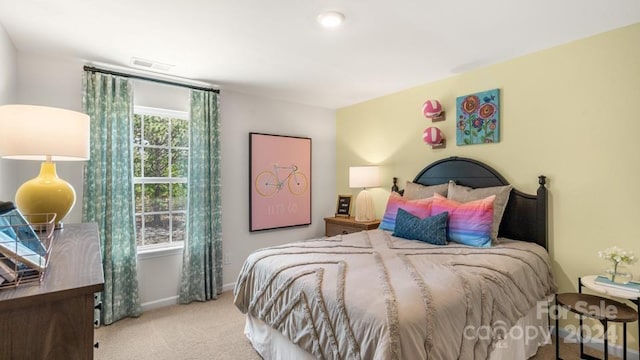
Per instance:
{"type": "Point", "coordinates": [525, 217]}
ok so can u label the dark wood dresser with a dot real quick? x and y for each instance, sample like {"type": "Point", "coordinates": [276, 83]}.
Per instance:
{"type": "Point", "coordinates": [54, 319]}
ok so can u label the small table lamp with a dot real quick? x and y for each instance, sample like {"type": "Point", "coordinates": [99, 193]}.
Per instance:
{"type": "Point", "coordinates": [364, 177]}
{"type": "Point", "coordinates": [29, 132]}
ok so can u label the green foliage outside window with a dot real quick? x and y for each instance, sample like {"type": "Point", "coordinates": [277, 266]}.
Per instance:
{"type": "Point", "coordinates": [160, 169]}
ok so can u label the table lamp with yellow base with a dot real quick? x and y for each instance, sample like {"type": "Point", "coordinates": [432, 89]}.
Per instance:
{"type": "Point", "coordinates": [29, 132]}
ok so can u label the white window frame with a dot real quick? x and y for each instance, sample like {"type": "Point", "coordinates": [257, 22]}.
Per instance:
{"type": "Point", "coordinates": [152, 111]}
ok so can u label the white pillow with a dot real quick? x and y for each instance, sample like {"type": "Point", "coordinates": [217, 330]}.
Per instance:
{"type": "Point", "coordinates": [414, 191]}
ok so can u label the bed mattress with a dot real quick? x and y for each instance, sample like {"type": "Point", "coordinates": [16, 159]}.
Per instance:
{"type": "Point", "coordinates": [370, 295]}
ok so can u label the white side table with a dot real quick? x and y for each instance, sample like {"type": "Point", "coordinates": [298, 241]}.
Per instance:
{"type": "Point", "coordinates": [590, 283]}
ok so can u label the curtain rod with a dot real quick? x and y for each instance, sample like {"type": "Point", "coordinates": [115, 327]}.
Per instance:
{"type": "Point", "coordinates": [139, 77]}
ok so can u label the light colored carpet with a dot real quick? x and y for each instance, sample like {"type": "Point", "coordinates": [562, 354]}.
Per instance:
{"type": "Point", "coordinates": [200, 330]}
{"type": "Point", "coordinates": [210, 330]}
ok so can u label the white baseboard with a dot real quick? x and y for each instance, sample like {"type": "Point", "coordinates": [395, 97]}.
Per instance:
{"type": "Point", "coordinates": [597, 344]}
{"type": "Point", "coordinates": [228, 287]}
{"type": "Point", "coordinates": [172, 300]}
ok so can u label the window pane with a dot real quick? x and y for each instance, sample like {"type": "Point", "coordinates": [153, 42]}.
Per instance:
{"type": "Point", "coordinates": [138, 152]}
{"type": "Point", "coordinates": [139, 241]}
{"type": "Point", "coordinates": [156, 197]}
{"type": "Point", "coordinates": [156, 229]}
{"type": "Point", "coordinates": [179, 227]}
{"type": "Point", "coordinates": [179, 132]}
{"type": "Point", "coordinates": [137, 191]}
{"type": "Point", "coordinates": [137, 129]}
{"type": "Point", "coordinates": [179, 163]}
{"type": "Point", "coordinates": [156, 162]}
{"type": "Point", "coordinates": [160, 150]}
{"type": "Point", "coordinates": [179, 195]}
{"type": "Point", "coordinates": [156, 130]}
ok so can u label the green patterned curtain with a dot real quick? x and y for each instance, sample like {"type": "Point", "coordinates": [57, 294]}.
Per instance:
{"type": "Point", "coordinates": [108, 190]}
{"type": "Point", "coordinates": [202, 257]}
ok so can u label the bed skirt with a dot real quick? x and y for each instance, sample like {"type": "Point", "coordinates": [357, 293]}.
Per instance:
{"type": "Point", "coordinates": [521, 342]}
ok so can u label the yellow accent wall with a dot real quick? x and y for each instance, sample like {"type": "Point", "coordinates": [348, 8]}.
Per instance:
{"type": "Point", "coordinates": [570, 112]}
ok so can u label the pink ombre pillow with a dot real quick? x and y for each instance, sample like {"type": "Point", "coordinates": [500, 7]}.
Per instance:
{"type": "Point", "coordinates": [470, 223]}
{"type": "Point", "coordinates": [419, 207]}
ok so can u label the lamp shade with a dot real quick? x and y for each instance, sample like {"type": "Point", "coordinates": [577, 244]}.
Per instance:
{"type": "Point", "coordinates": [29, 132]}
{"type": "Point", "coordinates": [364, 176]}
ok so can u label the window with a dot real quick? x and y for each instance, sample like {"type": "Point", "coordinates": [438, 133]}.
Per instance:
{"type": "Point", "coordinates": [160, 173]}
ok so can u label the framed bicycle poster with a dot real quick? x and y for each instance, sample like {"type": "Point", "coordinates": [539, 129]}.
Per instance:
{"type": "Point", "coordinates": [279, 180]}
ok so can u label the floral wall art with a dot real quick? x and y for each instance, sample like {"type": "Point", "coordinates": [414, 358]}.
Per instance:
{"type": "Point", "coordinates": [478, 118]}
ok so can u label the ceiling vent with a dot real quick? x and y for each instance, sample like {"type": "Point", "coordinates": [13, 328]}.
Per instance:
{"type": "Point", "coordinates": [150, 65]}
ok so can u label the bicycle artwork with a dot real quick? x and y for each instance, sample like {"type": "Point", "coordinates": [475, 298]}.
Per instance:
{"type": "Point", "coordinates": [269, 182]}
{"type": "Point", "coordinates": [279, 181]}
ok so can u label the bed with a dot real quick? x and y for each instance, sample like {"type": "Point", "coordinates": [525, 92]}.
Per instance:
{"type": "Point", "coordinates": [373, 295]}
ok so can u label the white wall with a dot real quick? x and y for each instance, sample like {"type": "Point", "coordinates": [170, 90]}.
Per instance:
{"type": "Point", "coordinates": [157, 95]}
{"type": "Point", "coordinates": [58, 82]}
{"type": "Point", "coordinates": [159, 271]}
{"type": "Point", "coordinates": [7, 68]}
{"type": "Point", "coordinates": [8, 91]}
{"type": "Point", "coordinates": [242, 114]}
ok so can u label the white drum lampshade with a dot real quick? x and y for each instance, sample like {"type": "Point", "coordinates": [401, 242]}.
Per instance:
{"type": "Point", "coordinates": [364, 177]}
{"type": "Point", "coordinates": [29, 132]}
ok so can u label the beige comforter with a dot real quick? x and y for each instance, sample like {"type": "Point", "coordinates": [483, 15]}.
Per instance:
{"type": "Point", "coordinates": [369, 295]}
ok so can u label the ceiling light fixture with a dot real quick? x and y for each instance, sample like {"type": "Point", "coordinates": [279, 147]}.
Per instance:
{"type": "Point", "coordinates": [331, 19]}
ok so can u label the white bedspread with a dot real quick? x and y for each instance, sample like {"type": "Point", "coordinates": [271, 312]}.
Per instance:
{"type": "Point", "coordinates": [369, 295]}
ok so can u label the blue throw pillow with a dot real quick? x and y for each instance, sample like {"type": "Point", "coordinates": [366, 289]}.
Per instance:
{"type": "Point", "coordinates": [432, 229]}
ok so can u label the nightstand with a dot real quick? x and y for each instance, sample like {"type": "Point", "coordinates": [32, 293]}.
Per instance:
{"type": "Point", "coordinates": [347, 225]}
{"type": "Point", "coordinates": [599, 308]}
